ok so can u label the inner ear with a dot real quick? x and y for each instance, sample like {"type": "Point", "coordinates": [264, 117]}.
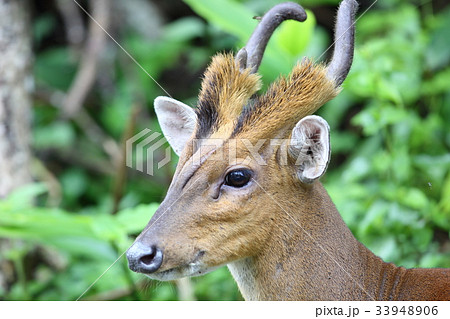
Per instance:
{"type": "Point", "coordinates": [310, 147]}
{"type": "Point", "coordinates": [177, 121]}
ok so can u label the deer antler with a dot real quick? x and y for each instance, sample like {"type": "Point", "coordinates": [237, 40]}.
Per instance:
{"type": "Point", "coordinates": [344, 38]}
{"type": "Point", "coordinates": [251, 55]}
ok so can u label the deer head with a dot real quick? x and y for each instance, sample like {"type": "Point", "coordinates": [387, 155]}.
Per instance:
{"type": "Point", "coordinates": [235, 148]}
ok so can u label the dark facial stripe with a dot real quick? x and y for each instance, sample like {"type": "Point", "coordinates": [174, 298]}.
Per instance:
{"type": "Point", "coordinates": [207, 117]}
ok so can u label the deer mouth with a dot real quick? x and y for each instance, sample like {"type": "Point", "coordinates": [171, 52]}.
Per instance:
{"type": "Point", "coordinates": [192, 269]}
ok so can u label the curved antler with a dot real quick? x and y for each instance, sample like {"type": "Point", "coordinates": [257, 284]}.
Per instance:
{"type": "Point", "coordinates": [344, 39]}
{"type": "Point", "coordinates": [251, 55]}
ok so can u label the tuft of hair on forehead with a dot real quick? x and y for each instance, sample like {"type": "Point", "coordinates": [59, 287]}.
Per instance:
{"type": "Point", "coordinates": [287, 101]}
{"type": "Point", "coordinates": [224, 93]}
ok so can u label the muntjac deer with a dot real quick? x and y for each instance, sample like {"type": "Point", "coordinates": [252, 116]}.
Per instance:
{"type": "Point", "coordinates": [246, 192]}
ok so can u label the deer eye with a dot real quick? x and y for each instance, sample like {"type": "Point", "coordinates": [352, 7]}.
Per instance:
{"type": "Point", "coordinates": [238, 178]}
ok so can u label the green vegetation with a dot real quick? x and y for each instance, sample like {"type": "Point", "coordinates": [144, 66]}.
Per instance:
{"type": "Point", "coordinates": [390, 169]}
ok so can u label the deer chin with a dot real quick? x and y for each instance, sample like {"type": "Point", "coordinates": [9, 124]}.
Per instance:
{"type": "Point", "coordinates": [190, 270]}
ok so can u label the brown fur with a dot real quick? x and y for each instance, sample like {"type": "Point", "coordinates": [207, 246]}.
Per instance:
{"type": "Point", "coordinates": [287, 101]}
{"type": "Point", "coordinates": [225, 91]}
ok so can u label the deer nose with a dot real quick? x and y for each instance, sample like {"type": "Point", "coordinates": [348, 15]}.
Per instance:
{"type": "Point", "coordinates": [144, 259]}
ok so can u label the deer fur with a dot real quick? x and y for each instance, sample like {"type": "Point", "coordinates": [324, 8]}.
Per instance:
{"type": "Point", "coordinates": [225, 92]}
{"type": "Point", "coordinates": [280, 234]}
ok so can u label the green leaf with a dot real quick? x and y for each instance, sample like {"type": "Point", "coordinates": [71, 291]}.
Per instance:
{"type": "Point", "coordinates": [293, 37]}
{"type": "Point", "coordinates": [356, 170]}
{"type": "Point", "coordinates": [184, 29]}
{"type": "Point", "coordinates": [57, 134]}
{"type": "Point", "coordinates": [134, 220]}
{"type": "Point", "coordinates": [23, 197]}
{"type": "Point", "coordinates": [55, 67]}
{"type": "Point", "coordinates": [443, 212]}
{"type": "Point", "coordinates": [228, 15]}
{"type": "Point", "coordinates": [374, 217]}
{"type": "Point", "coordinates": [401, 164]}
{"type": "Point", "coordinates": [390, 92]}
{"type": "Point", "coordinates": [437, 50]}
{"type": "Point", "coordinates": [414, 198]}
{"type": "Point", "coordinates": [434, 166]}
{"type": "Point", "coordinates": [385, 247]}
{"type": "Point", "coordinates": [438, 84]}
{"type": "Point", "coordinates": [74, 183]}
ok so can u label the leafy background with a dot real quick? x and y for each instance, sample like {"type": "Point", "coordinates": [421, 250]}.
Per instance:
{"type": "Point", "coordinates": [390, 169]}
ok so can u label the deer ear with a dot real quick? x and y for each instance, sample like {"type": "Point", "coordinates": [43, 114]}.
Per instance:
{"type": "Point", "coordinates": [177, 121]}
{"type": "Point", "coordinates": [310, 147]}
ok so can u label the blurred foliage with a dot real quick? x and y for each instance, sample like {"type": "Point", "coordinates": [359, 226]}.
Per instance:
{"type": "Point", "coordinates": [390, 140]}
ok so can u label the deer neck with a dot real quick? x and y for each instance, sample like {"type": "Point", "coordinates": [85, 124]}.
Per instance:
{"type": "Point", "coordinates": [311, 255]}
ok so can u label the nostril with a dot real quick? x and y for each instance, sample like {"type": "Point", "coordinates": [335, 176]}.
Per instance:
{"type": "Point", "coordinates": [148, 259]}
